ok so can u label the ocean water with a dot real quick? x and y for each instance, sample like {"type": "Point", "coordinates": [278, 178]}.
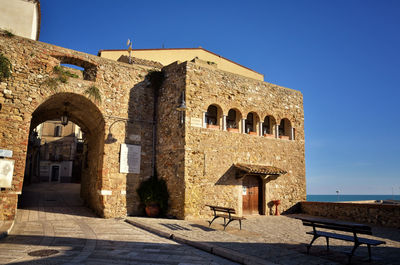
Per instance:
{"type": "Point", "coordinates": [342, 198]}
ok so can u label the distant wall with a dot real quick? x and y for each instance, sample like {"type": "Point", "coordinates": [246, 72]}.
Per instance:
{"type": "Point", "coordinates": [168, 56]}
{"type": "Point", "coordinates": [378, 214]}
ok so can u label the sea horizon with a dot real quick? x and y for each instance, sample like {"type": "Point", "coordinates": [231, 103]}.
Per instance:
{"type": "Point", "coordinates": [350, 197]}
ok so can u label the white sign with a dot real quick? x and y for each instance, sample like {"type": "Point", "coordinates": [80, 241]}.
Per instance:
{"type": "Point", "coordinates": [196, 122]}
{"type": "Point", "coordinates": [6, 172]}
{"type": "Point", "coordinates": [6, 153]}
{"type": "Point", "coordinates": [130, 158]}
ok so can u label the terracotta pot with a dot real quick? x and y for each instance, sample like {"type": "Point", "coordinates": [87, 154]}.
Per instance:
{"type": "Point", "coordinates": [152, 210]}
{"type": "Point", "coordinates": [269, 135]}
{"type": "Point", "coordinates": [276, 203]}
{"type": "Point", "coordinates": [233, 130]}
{"type": "Point", "coordinates": [214, 127]}
{"type": "Point", "coordinates": [284, 137]}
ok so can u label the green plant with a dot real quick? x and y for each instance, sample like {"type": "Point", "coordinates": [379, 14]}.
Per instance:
{"type": "Point", "coordinates": [154, 190]}
{"type": "Point", "coordinates": [51, 83]}
{"type": "Point", "coordinates": [5, 67]}
{"type": "Point", "coordinates": [8, 33]}
{"type": "Point", "coordinates": [93, 92]}
{"type": "Point", "coordinates": [61, 72]}
{"type": "Point", "coordinates": [62, 77]}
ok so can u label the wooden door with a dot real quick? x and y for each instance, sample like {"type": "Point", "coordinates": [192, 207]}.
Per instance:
{"type": "Point", "coordinates": [251, 195]}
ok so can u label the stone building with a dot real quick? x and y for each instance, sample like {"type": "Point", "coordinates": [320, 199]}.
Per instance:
{"type": "Point", "coordinates": [235, 141]}
{"type": "Point", "coordinates": [61, 152]}
{"type": "Point", "coordinates": [240, 141]}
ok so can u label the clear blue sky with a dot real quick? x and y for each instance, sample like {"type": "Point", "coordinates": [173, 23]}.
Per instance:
{"type": "Point", "coordinates": [343, 55]}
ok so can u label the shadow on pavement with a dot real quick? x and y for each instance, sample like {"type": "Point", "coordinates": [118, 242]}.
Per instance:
{"type": "Point", "coordinates": [97, 251]}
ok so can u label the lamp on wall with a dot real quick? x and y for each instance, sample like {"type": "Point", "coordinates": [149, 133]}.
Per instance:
{"type": "Point", "coordinates": [182, 108]}
{"type": "Point", "coordinates": [64, 116]}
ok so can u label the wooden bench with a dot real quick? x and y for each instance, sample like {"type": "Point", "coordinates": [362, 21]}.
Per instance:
{"type": "Point", "coordinates": [226, 213]}
{"type": "Point", "coordinates": [340, 226]}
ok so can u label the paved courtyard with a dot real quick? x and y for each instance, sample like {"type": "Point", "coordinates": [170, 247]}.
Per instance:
{"type": "Point", "coordinates": [53, 227]}
{"type": "Point", "coordinates": [277, 239]}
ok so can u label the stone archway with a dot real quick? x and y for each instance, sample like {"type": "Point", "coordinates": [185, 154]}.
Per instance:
{"type": "Point", "coordinates": [86, 115]}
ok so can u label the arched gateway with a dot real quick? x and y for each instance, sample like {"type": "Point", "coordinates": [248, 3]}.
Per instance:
{"type": "Point", "coordinates": [83, 112]}
{"type": "Point", "coordinates": [102, 99]}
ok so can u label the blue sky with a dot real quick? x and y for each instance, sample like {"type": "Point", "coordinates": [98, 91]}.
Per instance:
{"type": "Point", "coordinates": [343, 55]}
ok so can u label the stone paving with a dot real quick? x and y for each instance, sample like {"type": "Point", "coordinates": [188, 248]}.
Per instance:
{"type": "Point", "coordinates": [52, 227]}
{"type": "Point", "coordinates": [55, 226]}
{"type": "Point", "coordinates": [277, 239]}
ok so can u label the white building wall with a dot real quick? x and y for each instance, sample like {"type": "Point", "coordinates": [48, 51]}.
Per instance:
{"type": "Point", "coordinates": [19, 17]}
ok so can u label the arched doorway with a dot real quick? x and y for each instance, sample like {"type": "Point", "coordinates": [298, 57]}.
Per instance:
{"type": "Point", "coordinates": [81, 111]}
{"type": "Point", "coordinates": [252, 195]}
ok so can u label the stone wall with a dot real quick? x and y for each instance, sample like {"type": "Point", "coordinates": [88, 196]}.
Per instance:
{"type": "Point", "coordinates": [170, 137]}
{"type": "Point", "coordinates": [377, 214]}
{"type": "Point", "coordinates": [125, 111]}
{"type": "Point", "coordinates": [211, 153]}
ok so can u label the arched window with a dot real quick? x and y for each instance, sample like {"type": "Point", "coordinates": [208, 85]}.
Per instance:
{"type": "Point", "coordinates": [285, 129]}
{"type": "Point", "coordinates": [268, 126]}
{"type": "Point", "coordinates": [233, 120]}
{"type": "Point", "coordinates": [212, 115]}
{"type": "Point", "coordinates": [57, 131]}
{"type": "Point", "coordinates": [251, 123]}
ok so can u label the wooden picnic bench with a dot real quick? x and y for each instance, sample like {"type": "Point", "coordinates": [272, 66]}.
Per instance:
{"type": "Point", "coordinates": [226, 213]}
{"type": "Point", "coordinates": [340, 226]}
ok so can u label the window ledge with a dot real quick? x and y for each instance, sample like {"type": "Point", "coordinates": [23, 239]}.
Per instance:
{"type": "Point", "coordinates": [213, 127]}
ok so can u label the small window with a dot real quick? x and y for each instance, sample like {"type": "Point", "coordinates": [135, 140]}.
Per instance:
{"type": "Point", "coordinates": [268, 125]}
{"type": "Point", "coordinates": [232, 119]}
{"type": "Point", "coordinates": [212, 115]}
{"type": "Point", "coordinates": [250, 123]}
{"type": "Point", "coordinates": [57, 131]}
{"type": "Point", "coordinates": [285, 129]}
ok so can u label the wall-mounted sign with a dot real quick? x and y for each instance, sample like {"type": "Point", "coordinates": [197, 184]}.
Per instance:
{"type": "Point", "coordinates": [6, 172]}
{"type": "Point", "coordinates": [196, 122]}
{"type": "Point", "coordinates": [6, 153]}
{"type": "Point", "coordinates": [130, 158]}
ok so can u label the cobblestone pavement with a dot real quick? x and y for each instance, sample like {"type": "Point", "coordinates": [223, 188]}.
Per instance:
{"type": "Point", "coordinates": [53, 227]}
{"type": "Point", "coordinates": [278, 239]}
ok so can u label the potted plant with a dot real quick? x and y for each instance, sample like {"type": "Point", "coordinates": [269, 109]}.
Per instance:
{"type": "Point", "coordinates": [153, 194]}
{"type": "Point", "coordinates": [232, 127]}
{"type": "Point", "coordinates": [268, 135]}
{"type": "Point", "coordinates": [213, 126]}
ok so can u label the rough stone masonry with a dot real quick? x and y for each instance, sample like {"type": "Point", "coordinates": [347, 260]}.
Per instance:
{"type": "Point", "coordinates": [196, 159]}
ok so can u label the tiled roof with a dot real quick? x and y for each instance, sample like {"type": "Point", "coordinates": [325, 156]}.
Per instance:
{"type": "Point", "coordinates": [260, 169]}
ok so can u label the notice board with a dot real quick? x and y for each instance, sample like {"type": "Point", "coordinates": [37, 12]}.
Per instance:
{"type": "Point", "coordinates": [130, 158]}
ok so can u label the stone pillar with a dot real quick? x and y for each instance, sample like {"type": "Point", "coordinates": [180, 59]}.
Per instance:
{"type": "Point", "coordinates": [292, 133]}
{"type": "Point", "coordinates": [261, 128]}
{"type": "Point", "coordinates": [204, 120]}
{"type": "Point", "coordinates": [277, 131]}
{"type": "Point", "coordinates": [224, 125]}
{"type": "Point", "coordinates": [243, 125]}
